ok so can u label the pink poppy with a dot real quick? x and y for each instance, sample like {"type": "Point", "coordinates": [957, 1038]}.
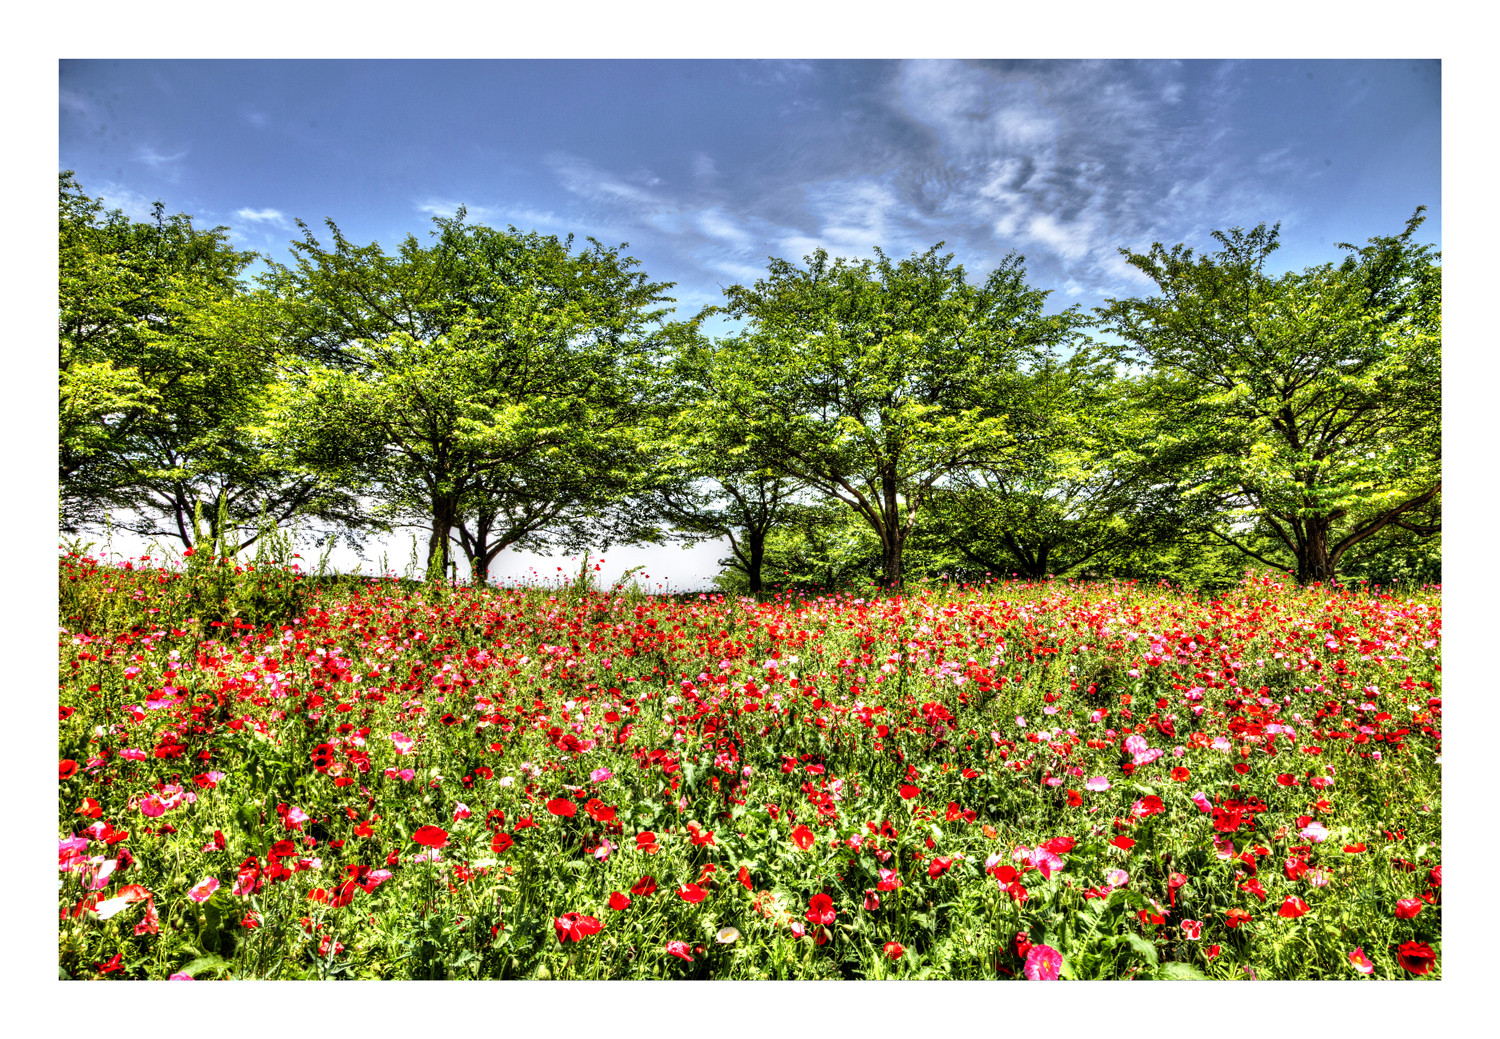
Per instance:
{"type": "Point", "coordinates": [1360, 961]}
{"type": "Point", "coordinates": [200, 891]}
{"type": "Point", "coordinates": [1043, 963]}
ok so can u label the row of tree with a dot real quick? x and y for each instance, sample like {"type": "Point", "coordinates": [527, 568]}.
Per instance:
{"type": "Point", "coordinates": [869, 418]}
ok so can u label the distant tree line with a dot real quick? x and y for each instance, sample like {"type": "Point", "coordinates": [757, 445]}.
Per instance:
{"type": "Point", "coordinates": [869, 420]}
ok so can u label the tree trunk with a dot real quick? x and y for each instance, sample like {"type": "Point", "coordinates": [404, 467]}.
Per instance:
{"type": "Point", "coordinates": [757, 557]}
{"type": "Point", "coordinates": [891, 564]}
{"type": "Point", "coordinates": [444, 516]}
{"type": "Point", "coordinates": [1316, 562]}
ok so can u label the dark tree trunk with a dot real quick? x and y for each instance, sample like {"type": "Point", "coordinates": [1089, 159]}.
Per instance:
{"type": "Point", "coordinates": [444, 516]}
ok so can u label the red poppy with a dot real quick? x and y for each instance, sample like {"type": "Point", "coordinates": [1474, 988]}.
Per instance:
{"type": "Point", "coordinates": [113, 963]}
{"type": "Point", "coordinates": [1353, 849]}
{"type": "Point", "coordinates": [802, 837]}
{"type": "Point", "coordinates": [90, 809]}
{"type": "Point", "coordinates": [562, 806]}
{"type": "Point", "coordinates": [644, 886]}
{"type": "Point", "coordinates": [1416, 957]}
{"type": "Point", "coordinates": [1180, 774]}
{"type": "Point", "coordinates": [680, 950]}
{"type": "Point", "coordinates": [692, 893]}
{"type": "Point", "coordinates": [908, 792]}
{"type": "Point", "coordinates": [1292, 908]}
{"type": "Point", "coordinates": [1406, 908]}
{"type": "Point", "coordinates": [1123, 843]}
{"type": "Point", "coordinates": [646, 842]}
{"type": "Point", "coordinates": [1060, 845]}
{"type": "Point", "coordinates": [66, 768]}
{"type": "Point", "coordinates": [744, 878]}
{"type": "Point", "coordinates": [572, 926]}
{"type": "Point", "coordinates": [431, 836]}
{"type": "Point", "coordinates": [501, 843]}
{"type": "Point", "coordinates": [618, 901]}
{"type": "Point", "coordinates": [820, 909]}
{"type": "Point", "coordinates": [599, 811]}
{"type": "Point", "coordinates": [1023, 944]}
{"type": "Point", "coordinates": [939, 865]}
{"type": "Point", "coordinates": [1227, 822]}
{"type": "Point", "coordinates": [1237, 916]}
{"type": "Point", "coordinates": [894, 950]}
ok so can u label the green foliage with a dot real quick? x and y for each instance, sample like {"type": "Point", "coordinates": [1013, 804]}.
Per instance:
{"type": "Point", "coordinates": [164, 363]}
{"type": "Point", "coordinates": [490, 382]}
{"type": "Point", "coordinates": [1302, 410]}
{"type": "Point", "coordinates": [872, 382]}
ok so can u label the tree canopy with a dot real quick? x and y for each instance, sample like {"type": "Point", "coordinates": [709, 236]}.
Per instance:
{"type": "Point", "coordinates": [1302, 412]}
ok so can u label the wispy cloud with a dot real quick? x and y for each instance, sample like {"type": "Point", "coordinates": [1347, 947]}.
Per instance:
{"type": "Point", "coordinates": [264, 216]}
{"type": "Point", "coordinates": [168, 166]}
{"type": "Point", "coordinates": [448, 208]}
{"type": "Point", "coordinates": [132, 203]}
{"type": "Point", "coordinates": [73, 101]}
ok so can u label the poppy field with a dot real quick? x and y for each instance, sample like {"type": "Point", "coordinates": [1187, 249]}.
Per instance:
{"type": "Point", "coordinates": [263, 775]}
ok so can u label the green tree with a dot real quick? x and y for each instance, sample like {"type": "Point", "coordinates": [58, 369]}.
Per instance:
{"type": "Point", "coordinates": [873, 382]}
{"type": "Point", "coordinates": [164, 361]}
{"type": "Point", "coordinates": [490, 382]}
{"type": "Point", "coordinates": [1301, 412]}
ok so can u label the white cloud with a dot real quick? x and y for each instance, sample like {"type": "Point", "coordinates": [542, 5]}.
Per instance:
{"type": "Point", "coordinates": [132, 203]}
{"type": "Point", "coordinates": [448, 208]}
{"type": "Point", "coordinates": [263, 216]}
{"type": "Point", "coordinates": [155, 159]}
{"type": "Point", "coordinates": [72, 101]}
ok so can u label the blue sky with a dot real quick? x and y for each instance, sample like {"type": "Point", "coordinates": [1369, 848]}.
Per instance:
{"type": "Point", "coordinates": [708, 167]}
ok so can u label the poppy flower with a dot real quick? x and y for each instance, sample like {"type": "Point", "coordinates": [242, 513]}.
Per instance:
{"type": "Point", "coordinates": [1353, 849]}
{"type": "Point", "coordinates": [727, 935]}
{"type": "Point", "coordinates": [1406, 908]}
{"type": "Point", "coordinates": [501, 843]}
{"type": "Point", "coordinates": [1237, 916]}
{"type": "Point", "coordinates": [894, 950]}
{"type": "Point", "coordinates": [691, 893]}
{"type": "Point", "coordinates": [1292, 908]}
{"type": "Point", "coordinates": [802, 837]}
{"type": "Point", "coordinates": [1123, 843]}
{"type": "Point", "coordinates": [562, 806]}
{"type": "Point", "coordinates": [1181, 775]}
{"type": "Point", "coordinates": [939, 865]}
{"type": "Point", "coordinates": [680, 950]}
{"type": "Point", "coordinates": [1416, 957]}
{"type": "Point", "coordinates": [1043, 963]}
{"type": "Point", "coordinates": [618, 901]}
{"type": "Point", "coordinates": [200, 891]}
{"type": "Point", "coordinates": [599, 811]}
{"type": "Point", "coordinates": [1360, 961]}
{"type": "Point", "coordinates": [575, 927]}
{"type": "Point", "coordinates": [646, 842]}
{"type": "Point", "coordinates": [744, 878]}
{"type": "Point", "coordinates": [908, 791]}
{"type": "Point", "coordinates": [66, 768]}
{"type": "Point", "coordinates": [431, 837]}
{"type": "Point", "coordinates": [1023, 944]}
{"type": "Point", "coordinates": [820, 909]}
{"type": "Point", "coordinates": [1192, 929]}
{"type": "Point", "coordinates": [644, 886]}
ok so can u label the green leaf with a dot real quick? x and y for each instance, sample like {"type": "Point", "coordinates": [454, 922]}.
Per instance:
{"type": "Point", "coordinates": [1179, 971]}
{"type": "Point", "coordinates": [1139, 945]}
